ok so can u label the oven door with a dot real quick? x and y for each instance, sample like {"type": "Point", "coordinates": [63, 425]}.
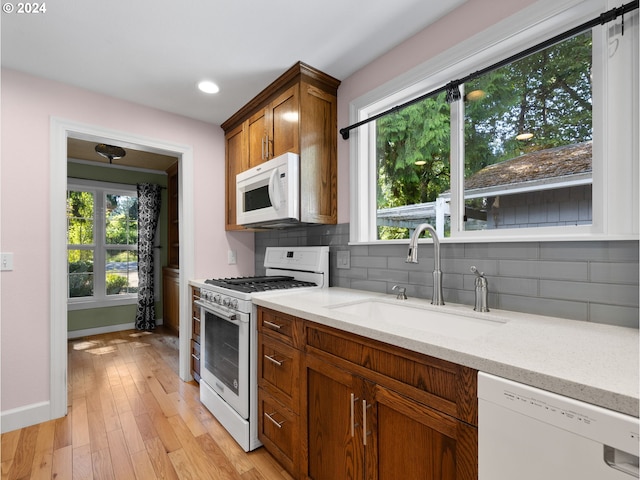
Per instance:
{"type": "Point", "coordinates": [225, 354]}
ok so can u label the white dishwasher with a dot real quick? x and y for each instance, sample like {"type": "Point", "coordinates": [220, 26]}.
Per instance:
{"type": "Point", "coordinates": [525, 433]}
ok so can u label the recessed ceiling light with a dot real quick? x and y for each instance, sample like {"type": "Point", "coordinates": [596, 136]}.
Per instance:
{"type": "Point", "coordinates": [207, 86]}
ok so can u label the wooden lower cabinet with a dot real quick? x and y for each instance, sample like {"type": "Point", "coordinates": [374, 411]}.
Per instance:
{"type": "Point", "coordinates": [412, 441]}
{"type": "Point", "coordinates": [368, 410]}
{"type": "Point", "coordinates": [195, 334]}
{"type": "Point", "coordinates": [333, 433]}
{"type": "Point", "coordinates": [171, 298]}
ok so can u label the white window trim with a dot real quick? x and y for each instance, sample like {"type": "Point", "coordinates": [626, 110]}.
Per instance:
{"type": "Point", "coordinates": [615, 165]}
{"type": "Point", "coordinates": [100, 298]}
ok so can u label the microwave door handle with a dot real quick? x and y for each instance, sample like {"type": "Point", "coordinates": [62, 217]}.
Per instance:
{"type": "Point", "coordinates": [274, 189]}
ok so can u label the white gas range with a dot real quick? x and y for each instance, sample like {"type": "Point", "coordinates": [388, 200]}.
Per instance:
{"type": "Point", "coordinates": [229, 349]}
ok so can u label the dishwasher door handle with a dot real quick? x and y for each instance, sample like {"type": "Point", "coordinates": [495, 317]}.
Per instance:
{"type": "Point", "coordinates": [621, 461]}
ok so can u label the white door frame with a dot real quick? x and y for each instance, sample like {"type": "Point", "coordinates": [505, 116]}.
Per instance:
{"type": "Point", "coordinates": [62, 129]}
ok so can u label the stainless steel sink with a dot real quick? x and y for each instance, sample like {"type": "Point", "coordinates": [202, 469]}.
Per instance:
{"type": "Point", "coordinates": [392, 315]}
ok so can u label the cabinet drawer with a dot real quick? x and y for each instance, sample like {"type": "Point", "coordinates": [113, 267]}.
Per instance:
{"type": "Point", "coordinates": [195, 360]}
{"type": "Point", "coordinates": [195, 329]}
{"type": "Point", "coordinates": [279, 370]}
{"type": "Point", "coordinates": [285, 328]}
{"type": "Point", "coordinates": [278, 430]}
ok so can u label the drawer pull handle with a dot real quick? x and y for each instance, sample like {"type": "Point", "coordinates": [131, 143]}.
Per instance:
{"type": "Point", "coordinates": [272, 325]}
{"type": "Point", "coordinates": [270, 417]}
{"type": "Point", "coordinates": [195, 356]}
{"type": "Point", "coordinates": [278, 363]}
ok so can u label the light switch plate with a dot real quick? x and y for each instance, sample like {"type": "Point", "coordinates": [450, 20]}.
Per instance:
{"type": "Point", "coordinates": [343, 258]}
{"type": "Point", "coordinates": [6, 262]}
{"type": "Point", "coordinates": [232, 257]}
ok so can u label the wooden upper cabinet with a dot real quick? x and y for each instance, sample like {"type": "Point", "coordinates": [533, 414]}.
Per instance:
{"type": "Point", "coordinates": [256, 139]}
{"type": "Point", "coordinates": [236, 162]}
{"type": "Point", "coordinates": [318, 156]}
{"type": "Point", "coordinates": [296, 113]}
{"type": "Point", "coordinates": [283, 131]}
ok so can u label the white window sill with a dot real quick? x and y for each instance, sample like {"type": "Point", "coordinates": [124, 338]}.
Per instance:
{"type": "Point", "coordinates": [101, 303]}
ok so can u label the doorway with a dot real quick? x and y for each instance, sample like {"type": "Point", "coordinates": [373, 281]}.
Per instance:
{"type": "Point", "coordinates": [61, 131]}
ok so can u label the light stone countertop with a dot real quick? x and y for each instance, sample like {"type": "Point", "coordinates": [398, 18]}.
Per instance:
{"type": "Point", "coordinates": [592, 362]}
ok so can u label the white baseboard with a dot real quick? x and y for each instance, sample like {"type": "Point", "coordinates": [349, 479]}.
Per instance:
{"type": "Point", "coordinates": [106, 329]}
{"type": "Point", "coordinates": [26, 416]}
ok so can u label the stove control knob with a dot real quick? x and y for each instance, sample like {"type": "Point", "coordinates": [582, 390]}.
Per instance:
{"type": "Point", "coordinates": [217, 298]}
{"type": "Point", "coordinates": [205, 295]}
{"type": "Point", "coordinates": [234, 304]}
{"type": "Point", "coordinates": [226, 301]}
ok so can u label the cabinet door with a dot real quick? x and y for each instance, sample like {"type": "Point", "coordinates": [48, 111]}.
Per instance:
{"type": "Point", "coordinates": [236, 162]}
{"type": "Point", "coordinates": [318, 173]}
{"type": "Point", "coordinates": [412, 441]}
{"type": "Point", "coordinates": [258, 147]}
{"type": "Point", "coordinates": [333, 433]}
{"type": "Point", "coordinates": [283, 123]}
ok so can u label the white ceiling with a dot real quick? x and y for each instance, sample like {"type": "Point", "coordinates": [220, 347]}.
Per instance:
{"type": "Point", "coordinates": [154, 52]}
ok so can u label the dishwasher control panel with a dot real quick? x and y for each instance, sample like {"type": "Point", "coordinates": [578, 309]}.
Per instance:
{"type": "Point", "coordinates": [596, 423]}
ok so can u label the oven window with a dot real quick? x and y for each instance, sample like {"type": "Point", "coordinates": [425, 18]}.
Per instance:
{"type": "Point", "coordinates": [221, 347]}
{"type": "Point", "coordinates": [257, 199]}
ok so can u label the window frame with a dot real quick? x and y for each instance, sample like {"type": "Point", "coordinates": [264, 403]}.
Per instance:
{"type": "Point", "coordinates": [615, 181]}
{"type": "Point", "coordinates": [100, 246]}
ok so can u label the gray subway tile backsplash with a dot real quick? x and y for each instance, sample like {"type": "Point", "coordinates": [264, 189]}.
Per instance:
{"type": "Point", "coordinates": [593, 281]}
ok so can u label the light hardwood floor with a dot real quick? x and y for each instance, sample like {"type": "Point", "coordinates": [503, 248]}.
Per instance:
{"type": "Point", "coordinates": [131, 417]}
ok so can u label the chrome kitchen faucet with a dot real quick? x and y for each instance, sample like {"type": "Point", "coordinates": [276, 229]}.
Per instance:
{"type": "Point", "coordinates": [482, 291]}
{"type": "Point", "coordinates": [412, 257]}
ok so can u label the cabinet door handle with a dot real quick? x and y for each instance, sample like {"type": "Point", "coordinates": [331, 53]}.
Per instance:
{"type": "Point", "coordinates": [353, 414]}
{"type": "Point", "coordinates": [275, 422]}
{"type": "Point", "coordinates": [271, 324]}
{"type": "Point", "coordinates": [262, 146]}
{"type": "Point", "coordinates": [364, 422]}
{"type": "Point", "coordinates": [195, 356]}
{"type": "Point", "coordinates": [273, 360]}
{"type": "Point", "coordinates": [268, 149]}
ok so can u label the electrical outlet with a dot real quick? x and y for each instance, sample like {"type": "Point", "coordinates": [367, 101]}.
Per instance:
{"type": "Point", "coordinates": [232, 257]}
{"type": "Point", "coordinates": [343, 258]}
{"type": "Point", "coordinates": [6, 262]}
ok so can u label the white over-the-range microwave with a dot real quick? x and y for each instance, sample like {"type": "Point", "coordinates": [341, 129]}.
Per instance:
{"type": "Point", "coordinates": [268, 195]}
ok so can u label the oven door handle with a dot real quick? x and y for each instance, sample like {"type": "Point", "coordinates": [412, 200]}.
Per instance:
{"type": "Point", "coordinates": [226, 314]}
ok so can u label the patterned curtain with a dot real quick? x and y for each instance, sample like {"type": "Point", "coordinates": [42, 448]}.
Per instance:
{"type": "Point", "coordinates": [148, 213]}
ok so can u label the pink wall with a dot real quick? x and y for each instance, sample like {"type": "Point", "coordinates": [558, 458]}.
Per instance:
{"type": "Point", "coordinates": [471, 18]}
{"type": "Point", "coordinates": [28, 103]}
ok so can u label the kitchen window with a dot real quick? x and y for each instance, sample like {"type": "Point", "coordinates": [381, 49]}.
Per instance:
{"type": "Point", "coordinates": [544, 147]}
{"type": "Point", "coordinates": [102, 244]}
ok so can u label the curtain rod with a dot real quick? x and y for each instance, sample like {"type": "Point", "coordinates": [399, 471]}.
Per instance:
{"type": "Point", "coordinates": [453, 92]}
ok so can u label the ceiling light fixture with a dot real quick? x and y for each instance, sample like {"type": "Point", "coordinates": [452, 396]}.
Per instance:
{"type": "Point", "coordinates": [475, 95]}
{"type": "Point", "coordinates": [524, 136]}
{"type": "Point", "coordinates": [111, 152]}
{"type": "Point", "coordinates": [208, 86]}
{"type": "Point", "coordinates": [420, 162]}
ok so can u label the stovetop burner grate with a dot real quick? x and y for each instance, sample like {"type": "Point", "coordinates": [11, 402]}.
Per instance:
{"type": "Point", "coordinates": [259, 284]}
